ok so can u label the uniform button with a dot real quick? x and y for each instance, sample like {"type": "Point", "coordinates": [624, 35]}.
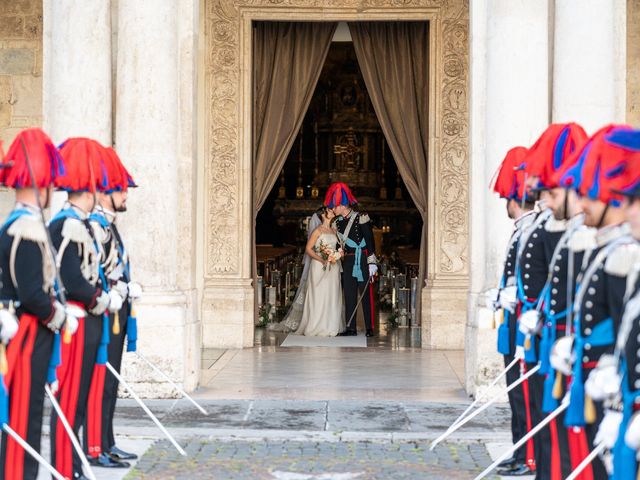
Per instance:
{"type": "Point", "coordinates": [638, 353]}
{"type": "Point", "coordinates": [530, 245]}
{"type": "Point", "coordinates": [553, 302]}
{"type": "Point", "coordinates": [527, 266]}
{"type": "Point", "coordinates": [556, 268]}
{"type": "Point", "coordinates": [638, 338]}
{"type": "Point", "coordinates": [528, 255]}
{"type": "Point", "coordinates": [588, 317]}
{"type": "Point", "coordinates": [636, 384]}
{"type": "Point", "coordinates": [552, 312]}
{"type": "Point", "coordinates": [585, 359]}
{"type": "Point", "coordinates": [508, 264]}
{"type": "Point", "coordinates": [591, 291]}
{"type": "Point", "coordinates": [587, 346]}
{"type": "Point", "coordinates": [535, 235]}
{"type": "Point", "coordinates": [595, 277]}
{"type": "Point", "coordinates": [589, 304]}
{"type": "Point", "coordinates": [554, 291]}
{"type": "Point", "coordinates": [526, 287]}
{"type": "Point", "coordinates": [558, 257]}
{"type": "Point", "coordinates": [587, 331]}
{"type": "Point", "coordinates": [637, 369]}
{"type": "Point", "coordinates": [526, 275]}
{"type": "Point", "coordinates": [556, 280]}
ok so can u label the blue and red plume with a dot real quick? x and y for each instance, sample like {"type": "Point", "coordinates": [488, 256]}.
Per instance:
{"type": "Point", "coordinates": [339, 194]}
{"type": "Point", "coordinates": [121, 179]}
{"type": "Point", "coordinates": [554, 147]}
{"type": "Point", "coordinates": [46, 162]}
{"type": "Point", "coordinates": [87, 164]}
{"type": "Point", "coordinates": [606, 166]}
{"type": "Point", "coordinates": [509, 179]}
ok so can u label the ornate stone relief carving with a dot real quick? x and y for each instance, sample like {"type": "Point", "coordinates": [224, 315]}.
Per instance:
{"type": "Point", "coordinates": [223, 117]}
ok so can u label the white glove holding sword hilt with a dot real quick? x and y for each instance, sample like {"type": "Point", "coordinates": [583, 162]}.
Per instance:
{"type": "Point", "coordinates": [562, 355]}
{"type": "Point", "coordinates": [373, 269]}
{"type": "Point", "coordinates": [8, 325]}
{"type": "Point", "coordinates": [509, 298]}
{"type": "Point", "coordinates": [112, 301]}
{"type": "Point", "coordinates": [603, 383]}
{"type": "Point", "coordinates": [609, 429]}
{"type": "Point", "coordinates": [132, 290]}
{"type": "Point", "coordinates": [530, 322]}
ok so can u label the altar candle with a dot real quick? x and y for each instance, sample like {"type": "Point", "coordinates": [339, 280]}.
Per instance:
{"type": "Point", "coordinates": [287, 285]}
{"type": "Point", "coordinates": [259, 288]}
{"type": "Point", "coordinates": [393, 296]}
{"type": "Point", "coordinates": [271, 295]}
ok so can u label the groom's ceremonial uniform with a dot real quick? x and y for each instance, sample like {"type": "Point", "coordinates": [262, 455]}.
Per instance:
{"type": "Point", "coordinates": [356, 238]}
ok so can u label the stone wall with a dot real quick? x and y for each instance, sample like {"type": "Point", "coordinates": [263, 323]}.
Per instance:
{"type": "Point", "coordinates": [633, 62]}
{"type": "Point", "coordinates": [20, 66]}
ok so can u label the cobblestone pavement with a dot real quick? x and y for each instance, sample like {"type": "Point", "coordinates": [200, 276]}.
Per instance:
{"type": "Point", "coordinates": [297, 460]}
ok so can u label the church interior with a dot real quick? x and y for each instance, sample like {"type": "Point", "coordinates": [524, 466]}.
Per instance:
{"type": "Point", "coordinates": [340, 140]}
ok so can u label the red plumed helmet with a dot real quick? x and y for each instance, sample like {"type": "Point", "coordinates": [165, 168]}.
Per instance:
{"type": "Point", "coordinates": [41, 153]}
{"type": "Point", "coordinates": [119, 177]}
{"type": "Point", "coordinates": [554, 147]}
{"type": "Point", "coordinates": [509, 180]}
{"type": "Point", "coordinates": [339, 194]}
{"type": "Point", "coordinates": [607, 164]}
{"type": "Point", "coordinates": [86, 162]}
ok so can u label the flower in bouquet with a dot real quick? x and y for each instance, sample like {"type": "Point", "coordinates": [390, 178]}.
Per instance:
{"type": "Point", "coordinates": [329, 254]}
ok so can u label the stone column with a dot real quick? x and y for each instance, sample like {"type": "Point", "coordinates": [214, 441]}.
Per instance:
{"type": "Point", "coordinates": [589, 62]}
{"type": "Point", "coordinates": [154, 137]}
{"type": "Point", "coordinates": [510, 98]}
{"type": "Point", "coordinates": [77, 69]}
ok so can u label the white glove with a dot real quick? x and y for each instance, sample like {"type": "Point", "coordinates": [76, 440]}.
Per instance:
{"type": "Point", "coordinates": [609, 428]}
{"type": "Point", "coordinates": [509, 298]}
{"type": "Point", "coordinates": [135, 290]}
{"type": "Point", "coordinates": [604, 381]}
{"type": "Point", "coordinates": [122, 288]}
{"type": "Point", "coordinates": [632, 435]}
{"type": "Point", "coordinates": [373, 269]}
{"type": "Point", "coordinates": [115, 301]}
{"type": "Point", "coordinates": [491, 299]}
{"type": "Point", "coordinates": [563, 355]}
{"type": "Point", "coordinates": [102, 302]}
{"type": "Point", "coordinates": [71, 324]}
{"type": "Point", "coordinates": [54, 386]}
{"type": "Point", "coordinates": [519, 352]}
{"type": "Point", "coordinates": [8, 325]}
{"type": "Point", "coordinates": [529, 322]}
{"type": "Point", "coordinates": [59, 315]}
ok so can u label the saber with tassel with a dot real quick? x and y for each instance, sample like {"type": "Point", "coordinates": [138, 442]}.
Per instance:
{"type": "Point", "coordinates": [364, 291]}
{"type": "Point", "coordinates": [473, 415]}
{"type": "Point", "coordinates": [146, 409]}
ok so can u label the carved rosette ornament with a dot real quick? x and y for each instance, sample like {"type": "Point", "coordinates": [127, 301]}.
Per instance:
{"type": "Point", "coordinates": [223, 124]}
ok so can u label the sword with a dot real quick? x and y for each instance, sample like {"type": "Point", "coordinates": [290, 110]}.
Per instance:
{"type": "Point", "coordinates": [586, 462]}
{"type": "Point", "coordinates": [364, 291]}
{"type": "Point", "coordinates": [69, 430]}
{"type": "Point", "coordinates": [30, 450]}
{"type": "Point", "coordinates": [146, 409]}
{"type": "Point", "coordinates": [543, 423]}
{"type": "Point", "coordinates": [484, 392]}
{"type": "Point", "coordinates": [513, 385]}
{"type": "Point", "coordinates": [173, 384]}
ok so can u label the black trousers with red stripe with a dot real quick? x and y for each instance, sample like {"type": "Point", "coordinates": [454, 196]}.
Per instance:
{"type": "Point", "coordinates": [518, 413]}
{"type": "Point", "coordinates": [27, 400]}
{"type": "Point", "coordinates": [74, 393]}
{"type": "Point", "coordinates": [542, 440]}
{"type": "Point", "coordinates": [110, 388]}
{"type": "Point", "coordinates": [351, 289]}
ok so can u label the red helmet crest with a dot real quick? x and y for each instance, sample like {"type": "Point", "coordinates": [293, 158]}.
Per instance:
{"type": "Point", "coordinates": [87, 166]}
{"type": "Point", "coordinates": [339, 194]}
{"type": "Point", "coordinates": [41, 153]}
{"type": "Point", "coordinates": [509, 179]}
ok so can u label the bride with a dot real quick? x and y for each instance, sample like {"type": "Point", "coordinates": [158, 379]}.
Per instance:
{"type": "Point", "coordinates": [322, 313]}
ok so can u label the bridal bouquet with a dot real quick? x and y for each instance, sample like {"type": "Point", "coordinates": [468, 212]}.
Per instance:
{"type": "Point", "coordinates": [328, 253]}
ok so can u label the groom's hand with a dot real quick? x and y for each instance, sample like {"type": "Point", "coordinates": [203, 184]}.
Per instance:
{"type": "Point", "coordinates": [373, 269]}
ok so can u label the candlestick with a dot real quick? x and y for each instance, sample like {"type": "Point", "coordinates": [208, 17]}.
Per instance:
{"type": "Point", "coordinates": [259, 290]}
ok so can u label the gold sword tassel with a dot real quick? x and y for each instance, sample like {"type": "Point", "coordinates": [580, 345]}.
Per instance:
{"type": "Point", "coordinates": [116, 323]}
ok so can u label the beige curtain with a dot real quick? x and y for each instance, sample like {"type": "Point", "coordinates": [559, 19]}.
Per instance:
{"type": "Point", "coordinates": [394, 59]}
{"type": "Point", "coordinates": [288, 59]}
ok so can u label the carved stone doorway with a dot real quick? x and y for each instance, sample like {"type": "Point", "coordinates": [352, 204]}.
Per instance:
{"type": "Point", "coordinates": [228, 297]}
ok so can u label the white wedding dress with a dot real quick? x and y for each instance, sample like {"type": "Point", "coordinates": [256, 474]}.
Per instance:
{"type": "Point", "coordinates": [322, 313]}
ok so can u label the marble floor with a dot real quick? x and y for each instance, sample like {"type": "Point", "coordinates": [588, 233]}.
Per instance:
{"type": "Point", "coordinates": [392, 367]}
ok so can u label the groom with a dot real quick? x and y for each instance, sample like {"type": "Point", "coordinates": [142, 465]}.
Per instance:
{"type": "Point", "coordinates": [359, 263]}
